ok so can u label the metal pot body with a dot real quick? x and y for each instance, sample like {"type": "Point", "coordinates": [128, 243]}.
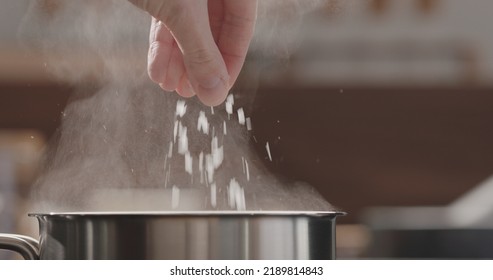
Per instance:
{"type": "Point", "coordinates": [188, 235]}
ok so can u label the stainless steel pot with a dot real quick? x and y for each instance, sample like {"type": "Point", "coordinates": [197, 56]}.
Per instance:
{"type": "Point", "coordinates": [183, 235]}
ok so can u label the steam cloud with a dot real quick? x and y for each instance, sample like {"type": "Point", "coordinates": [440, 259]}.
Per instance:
{"type": "Point", "coordinates": [112, 151]}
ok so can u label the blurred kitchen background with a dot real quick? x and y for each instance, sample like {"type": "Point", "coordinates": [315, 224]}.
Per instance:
{"type": "Point", "coordinates": [385, 106]}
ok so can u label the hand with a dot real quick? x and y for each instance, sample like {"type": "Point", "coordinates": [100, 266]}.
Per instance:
{"type": "Point", "coordinates": [198, 46]}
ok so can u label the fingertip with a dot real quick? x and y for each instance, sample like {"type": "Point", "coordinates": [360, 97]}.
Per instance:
{"type": "Point", "coordinates": [185, 89]}
{"type": "Point", "coordinates": [165, 88]}
{"type": "Point", "coordinates": [214, 93]}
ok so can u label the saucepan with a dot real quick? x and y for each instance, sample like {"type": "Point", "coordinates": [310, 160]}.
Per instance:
{"type": "Point", "coordinates": [179, 235]}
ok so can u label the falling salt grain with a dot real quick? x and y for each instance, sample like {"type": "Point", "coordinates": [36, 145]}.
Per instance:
{"type": "Point", "coordinates": [175, 131]}
{"type": "Point", "coordinates": [229, 104]}
{"type": "Point", "coordinates": [181, 108]}
{"type": "Point", "coordinates": [247, 170]}
{"type": "Point", "coordinates": [232, 189]}
{"type": "Point", "coordinates": [209, 167]}
{"type": "Point", "coordinates": [243, 164]}
{"type": "Point", "coordinates": [249, 124]}
{"type": "Point", "coordinates": [170, 151]}
{"type": "Point", "coordinates": [183, 141]}
{"type": "Point", "coordinates": [240, 199]}
{"type": "Point", "coordinates": [241, 116]}
{"type": "Point", "coordinates": [104, 127]}
{"type": "Point", "coordinates": [32, 137]}
{"type": "Point", "coordinates": [188, 163]}
{"type": "Point", "coordinates": [225, 132]}
{"type": "Point", "coordinates": [268, 151]}
{"type": "Point", "coordinates": [230, 99]}
{"type": "Point", "coordinates": [175, 197]}
{"type": "Point", "coordinates": [212, 110]}
{"type": "Point", "coordinates": [202, 123]}
{"type": "Point", "coordinates": [236, 195]}
{"type": "Point", "coordinates": [217, 153]}
{"type": "Point", "coordinates": [218, 157]}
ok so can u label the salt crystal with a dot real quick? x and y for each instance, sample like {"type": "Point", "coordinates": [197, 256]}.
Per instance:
{"type": "Point", "coordinates": [213, 195]}
{"type": "Point", "coordinates": [236, 195]}
{"type": "Point", "coordinates": [104, 127]}
{"type": "Point", "coordinates": [249, 124]}
{"type": "Point", "coordinates": [229, 104]}
{"type": "Point", "coordinates": [181, 108]}
{"type": "Point", "coordinates": [229, 108]}
{"type": "Point", "coordinates": [230, 98]}
{"type": "Point", "coordinates": [170, 151]}
{"type": "Point", "coordinates": [218, 157]}
{"type": "Point", "coordinates": [212, 110]}
{"type": "Point", "coordinates": [217, 153]}
{"type": "Point", "coordinates": [255, 139]}
{"type": "Point", "coordinates": [188, 163]}
{"type": "Point", "coordinates": [268, 151]}
{"type": "Point", "coordinates": [225, 132]}
{"type": "Point", "coordinates": [243, 164]}
{"type": "Point", "coordinates": [175, 131]}
{"type": "Point", "coordinates": [183, 141]}
{"type": "Point", "coordinates": [247, 170]}
{"type": "Point", "coordinates": [202, 123]}
{"type": "Point", "coordinates": [241, 116]}
{"type": "Point", "coordinates": [209, 167]}
{"type": "Point", "coordinates": [175, 197]}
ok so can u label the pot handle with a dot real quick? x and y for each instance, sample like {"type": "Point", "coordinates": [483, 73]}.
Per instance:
{"type": "Point", "coordinates": [26, 246]}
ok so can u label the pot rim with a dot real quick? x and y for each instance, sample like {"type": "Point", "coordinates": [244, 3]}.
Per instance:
{"type": "Point", "coordinates": [189, 213]}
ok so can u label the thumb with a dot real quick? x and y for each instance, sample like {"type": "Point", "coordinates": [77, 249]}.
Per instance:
{"type": "Point", "coordinates": [188, 21]}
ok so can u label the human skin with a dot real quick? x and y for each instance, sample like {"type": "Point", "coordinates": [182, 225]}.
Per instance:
{"type": "Point", "coordinates": [198, 47]}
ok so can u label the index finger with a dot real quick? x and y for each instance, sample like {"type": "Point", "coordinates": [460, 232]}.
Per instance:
{"type": "Point", "coordinates": [238, 24]}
